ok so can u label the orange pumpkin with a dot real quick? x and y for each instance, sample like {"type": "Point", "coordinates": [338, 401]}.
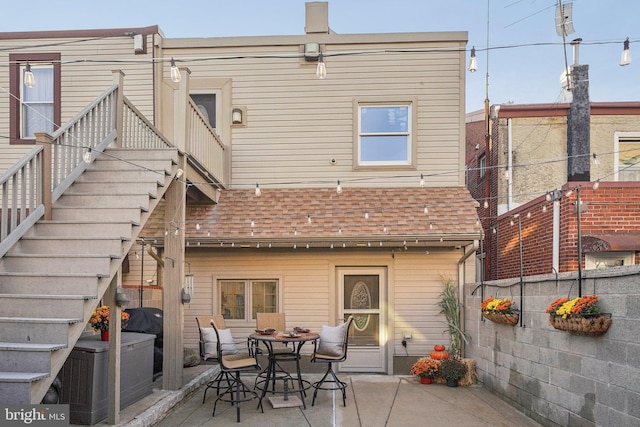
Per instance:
{"type": "Point", "coordinates": [439, 353]}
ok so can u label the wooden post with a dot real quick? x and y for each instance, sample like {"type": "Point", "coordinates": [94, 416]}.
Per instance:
{"type": "Point", "coordinates": [180, 110]}
{"type": "Point", "coordinates": [44, 139]}
{"type": "Point", "coordinates": [118, 78]}
{"type": "Point", "coordinates": [173, 313]}
{"type": "Point", "coordinates": [115, 339]}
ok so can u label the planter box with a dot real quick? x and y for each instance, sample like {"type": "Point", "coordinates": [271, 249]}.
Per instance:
{"type": "Point", "coordinates": [85, 375]}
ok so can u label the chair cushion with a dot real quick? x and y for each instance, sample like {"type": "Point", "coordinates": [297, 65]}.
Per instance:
{"type": "Point", "coordinates": [226, 340]}
{"type": "Point", "coordinates": [332, 340]}
{"type": "Point", "coordinates": [210, 340]}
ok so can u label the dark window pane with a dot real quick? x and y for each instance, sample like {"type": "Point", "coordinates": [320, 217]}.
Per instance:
{"type": "Point", "coordinates": [207, 104]}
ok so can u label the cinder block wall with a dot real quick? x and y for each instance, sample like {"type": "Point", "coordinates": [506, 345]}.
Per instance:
{"type": "Point", "coordinates": [556, 378]}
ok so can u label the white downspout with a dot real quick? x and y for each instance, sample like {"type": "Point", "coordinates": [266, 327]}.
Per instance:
{"type": "Point", "coordinates": [556, 236]}
{"type": "Point", "coordinates": [461, 282]}
{"type": "Point", "coordinates": [509, 165]}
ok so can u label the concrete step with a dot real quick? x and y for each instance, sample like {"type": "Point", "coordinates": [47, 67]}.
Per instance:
{"type": "Point", "coordinates": [45, 306]}
{"type": "Point", "coordinates": [115, 187]}
{"type": "Point", "coordinates": [96, 200]}
{"type": "Point", "coordinates": [131, 165]}
{"type": "Point", "coordinates": [36, 330]}
{"type": "Point", "coordinates": [69, 244]}
{"type": "Point", "coordinates": [107, 214]}
{"type": "Point", "coordinates": [49, 283]}
{"type": "Point", "coordinates": [92, 229]}
{"type": "Point", "coordinates": [15, 387]}
{"type": "Point", "coordinates": [143, 153]}
{"type": "Point", "coordinates": [58, 263]}
{"type": "Point", "coordinates": [105, 174]}
{"type": "Point", "coordinates": [26, 357]}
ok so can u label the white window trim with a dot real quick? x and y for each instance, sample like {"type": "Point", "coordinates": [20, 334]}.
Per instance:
{"type": "Point", "coordinates": [411, 140]}
{"type": "Point", "coordinates": [621, 136]}
{"type": "Point", "coordinates": [247, 321]}
{"type": "Point", "coordinates": [592, 258]}
{"type": "Point", "coordinates": [25, 103]}
{"type": "Point", "coordinates": [482, 165]}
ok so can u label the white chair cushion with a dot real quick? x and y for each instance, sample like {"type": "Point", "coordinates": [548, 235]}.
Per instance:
{"type": "Point", "coordinates": [210, 340]}
{"type": "Point", "coordinates": [332, 340]}
{"type": "Point", "coordinates": [226, 340]}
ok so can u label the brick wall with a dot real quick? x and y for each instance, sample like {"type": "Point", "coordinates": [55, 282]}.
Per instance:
{"type": "Point", "coordinates": [613, 208]}
{"type": "Point", "coordinates": [554, 377]}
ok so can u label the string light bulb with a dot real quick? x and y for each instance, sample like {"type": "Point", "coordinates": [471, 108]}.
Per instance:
{"type": "Point", "coordinates": [625, 58]}
{"type": "Point", "coordinates": [175, 72]}
{"type": "Point", "coordinates": [596, 185]}
{"type": "Point", "coordinates": [473, 62]}
{"type": "Point", "coordinates": [321, 69]}
{"type": "Point", "coordinates": [596, 161]}
{"type": "Point", "coordinates": [87, 156]}
{"type": "Point", "coordinates": [258, 192]}
{"type": "Point", "coordinates": [421, 180]}
{"type": "Point", "coordinates": [426, 210]}
{"type": "Point", "coordinates": [29, 80]}
{"type": "Point", "coordinates": [339, 188]}
{"type": "Point", "coordinates": [366, 215]}
{"type": "Point", "coordinates": [486, 204]}
{"type": "Point", "coordinates": [308, 219]}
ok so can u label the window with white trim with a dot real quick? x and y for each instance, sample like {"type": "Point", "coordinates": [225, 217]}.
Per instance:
{"type": "Point", "coordinates": [627, 156]}
{"type": "Point", "coordinates": [482, 166]}
{"type": "Point", "coordinates": [384, 134]}
{"type": "Point", "coordinates": [597, 260]}
{"type": "Point", "coordinates": [242, 299]}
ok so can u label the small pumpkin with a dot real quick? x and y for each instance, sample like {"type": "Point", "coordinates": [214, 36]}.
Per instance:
{"type": "Point", "coordinates": [439, 353]}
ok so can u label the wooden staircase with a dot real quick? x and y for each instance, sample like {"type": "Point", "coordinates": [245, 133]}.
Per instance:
{"type": "Point", "coordinates": [53, 278]}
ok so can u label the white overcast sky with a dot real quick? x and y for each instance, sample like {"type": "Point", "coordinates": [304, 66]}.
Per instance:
{"type": "Point", "coordinates": [517, 73]}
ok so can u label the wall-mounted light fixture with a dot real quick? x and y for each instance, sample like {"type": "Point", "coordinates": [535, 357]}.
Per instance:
{"type": "Point", "coordinates": [122, 298]}
{"type": "Point", "coordinates": [237, 116]}
{"type": "Point", "coordinates": [311, 52]}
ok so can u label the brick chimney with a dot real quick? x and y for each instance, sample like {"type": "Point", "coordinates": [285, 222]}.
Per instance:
{"type": "Point", "coordinates": [579, 121]}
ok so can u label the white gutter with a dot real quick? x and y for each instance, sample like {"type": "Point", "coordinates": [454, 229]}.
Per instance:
{"type": "Point", "coordinates": [556, 237]}
{"type": "Point", "coordinates": [461, 282]}
{"type": "Point", "coordinates": [509, 165]}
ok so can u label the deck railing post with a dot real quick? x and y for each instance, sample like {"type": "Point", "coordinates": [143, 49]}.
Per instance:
{"type": "Point", "coordinates": [44, 186]}
{"type": "Point", "coordinates": [118, 78]}
{"type": "Point", "coordinates": [181, 122]}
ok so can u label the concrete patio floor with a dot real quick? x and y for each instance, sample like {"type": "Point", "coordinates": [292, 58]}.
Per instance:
{"type": "Point", "coordinates": [372, 400]}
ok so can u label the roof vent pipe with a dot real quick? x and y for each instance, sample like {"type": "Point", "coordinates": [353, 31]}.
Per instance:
{"type": "Point", "coordinates": [576, 50]}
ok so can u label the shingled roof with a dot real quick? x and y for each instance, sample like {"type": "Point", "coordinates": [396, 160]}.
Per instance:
{"type": "Point", "coordinates": [321, 216]}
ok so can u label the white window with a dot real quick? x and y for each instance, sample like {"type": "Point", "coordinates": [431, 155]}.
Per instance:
{"type": "Point", "coordinates": [384, 135]}
{"type": "Point", "coordinates": [627, 156]}
{"type": "Point", "coordinates": [37, 101]}
{"type": "Point", "coordinates": [596, 260]}
{"type": "Point", "coordinates": [242, 299]}
{"type": "Point", "coordinates": [482, 165]}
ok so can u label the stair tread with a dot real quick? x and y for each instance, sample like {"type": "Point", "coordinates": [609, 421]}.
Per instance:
{"type": "Point", "coordinates": [39, 320]}
{"type": "Point", "coordinates": [60, 255]}
{"type": "Point", "coordinates": [31, 346]}
{"type": "Point", "coordinates": [75, 237]}
{"type": "Point", "coordinates": [23, 377]}
{"type": "Point", "coordinates": [48, 296]}
{"type": "Point", "coordinates": [52, 274]}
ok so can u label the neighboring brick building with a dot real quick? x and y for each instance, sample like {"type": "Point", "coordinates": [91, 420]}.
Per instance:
{"type": "Point", "coordinates": [528, 153]}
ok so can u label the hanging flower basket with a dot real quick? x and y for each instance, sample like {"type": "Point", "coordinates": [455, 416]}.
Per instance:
{"type": "Point", "coordinates": [580, 316]}
{"type": "Point", "coordinates": [510, 319]}
{"type": "Point", "coordinates": [500, 311]}
{"type": "Point", "coordinates": [593, 325]}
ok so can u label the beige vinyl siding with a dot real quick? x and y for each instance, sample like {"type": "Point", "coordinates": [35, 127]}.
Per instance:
{"type": "Point", "coordinates": [308, 287]}
{"type": "Point", "coordinates": [85, 74]}
{"type": "Point", "coordinates": [296, 123]}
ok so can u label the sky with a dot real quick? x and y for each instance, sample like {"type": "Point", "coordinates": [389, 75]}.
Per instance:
{"type": "Point", "coordinates": [525, 59]}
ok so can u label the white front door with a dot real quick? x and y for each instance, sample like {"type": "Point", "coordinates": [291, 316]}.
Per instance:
{"type": "Point", "coordinates": [362, 294]}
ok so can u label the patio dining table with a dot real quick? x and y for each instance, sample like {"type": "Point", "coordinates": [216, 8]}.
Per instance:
{"type": "Point", "coordinates": [298, 340]}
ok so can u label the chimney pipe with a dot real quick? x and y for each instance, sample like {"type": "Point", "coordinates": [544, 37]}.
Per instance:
{"type": "Point", "coordinates": [576, 50]}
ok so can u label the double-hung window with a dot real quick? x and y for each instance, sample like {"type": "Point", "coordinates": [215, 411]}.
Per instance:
{"type": "Point", "coordinates": [36, 108]}
{"type": "Point", "coordinates": [385, 134]}
{"type": "Point", "coordinates": [242, 299]}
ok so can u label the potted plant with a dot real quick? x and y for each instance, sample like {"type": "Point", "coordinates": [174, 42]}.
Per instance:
{"type": "Point", "coordinates": [582, 315]}
{"type": "Point", "coordinates": [500, 311]}
{"type": "Point", "coordinates": [425, 368]}
{"type": "Point", "coordinates": [99, 321]}
{"type": "Point", "coordinates": [452, 369]}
